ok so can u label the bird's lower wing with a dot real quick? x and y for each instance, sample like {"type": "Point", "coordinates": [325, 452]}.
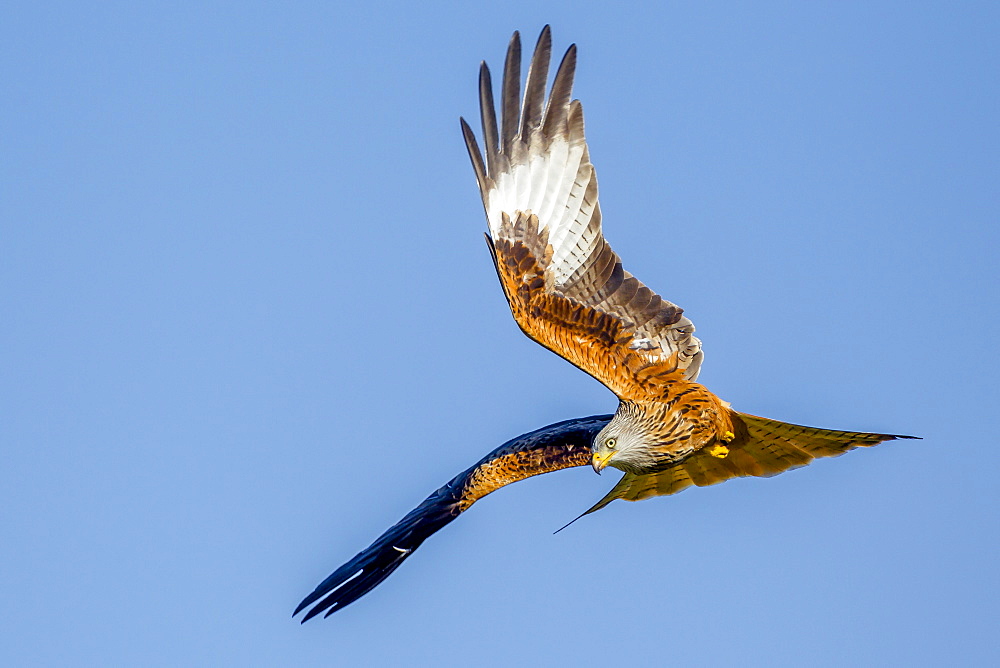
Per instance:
{"type": "Point", "coordinates": [762, 448]}
{"type": "Point", "coordinates": [557, 446]}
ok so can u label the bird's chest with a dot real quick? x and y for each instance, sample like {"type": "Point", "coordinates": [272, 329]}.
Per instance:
{"type": "Point", "coordinates": [682, 428]}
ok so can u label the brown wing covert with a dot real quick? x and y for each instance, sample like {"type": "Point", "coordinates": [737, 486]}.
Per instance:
{"type": "Point", "coordinates": [562, 279]}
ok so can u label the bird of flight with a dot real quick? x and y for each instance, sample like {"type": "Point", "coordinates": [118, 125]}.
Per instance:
{"type": "Point", "coordinates": [567, 290]}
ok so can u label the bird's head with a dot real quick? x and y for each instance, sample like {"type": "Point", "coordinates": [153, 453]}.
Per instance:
{"type": "Point", "coordinates": [621, 444]}
{"type": "Point", "coordinates": [645, 438]}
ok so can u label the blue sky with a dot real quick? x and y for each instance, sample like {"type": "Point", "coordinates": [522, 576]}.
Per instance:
{"type": "Point", "coordinates": [250, 321]}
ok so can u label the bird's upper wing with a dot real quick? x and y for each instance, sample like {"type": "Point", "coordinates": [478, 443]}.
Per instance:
{"type": "Point", "coordinates": [566, 287]}
{"type": "Point", "coordinates": [762, 448]}
{"type": "Point", "coordinates": [557, 446]}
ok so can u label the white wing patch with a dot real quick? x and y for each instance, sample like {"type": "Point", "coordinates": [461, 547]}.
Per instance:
{"type": "Point", "coordinates": [538, 165]}
{"type": "Point", "coordinates": [559, 187]}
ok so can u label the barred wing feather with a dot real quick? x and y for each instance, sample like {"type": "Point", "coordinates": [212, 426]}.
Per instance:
{"type": "Point", "coordinates": [762, 448]}
{"type": "Point", "coordinates": [566, 287]}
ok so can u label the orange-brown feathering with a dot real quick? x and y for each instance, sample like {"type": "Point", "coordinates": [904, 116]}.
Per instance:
{"type": "Point", "coordinates": [515, 466]}
{"type": "Point", "coordinates": [687, 418]}
{"type": "Point", "coordinates": [672, 415]}
{"type": "Point", "coordinates": [760, 447]}
{"type": "Point", "coordinates": [567, 289]}
{"type": "Point", "coordinates": [592, 339]}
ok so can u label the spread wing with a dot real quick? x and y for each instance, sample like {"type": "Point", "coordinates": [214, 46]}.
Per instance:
{"type": "Point", "coordinates": [762, 448]}
{"type": "Point", "coordinates": [566, 287]}
{"type": "Point", "coordinates": [557, 446]}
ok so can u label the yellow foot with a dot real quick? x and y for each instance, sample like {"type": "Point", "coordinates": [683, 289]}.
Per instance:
{"type": "Point", "coordinates": [718, 450]}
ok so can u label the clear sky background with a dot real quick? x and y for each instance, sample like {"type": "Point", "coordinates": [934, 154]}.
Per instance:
{"type": "Point", "coordinates": [247, 321]}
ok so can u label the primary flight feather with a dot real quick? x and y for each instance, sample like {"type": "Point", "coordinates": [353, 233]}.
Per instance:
{"type": "Point", "coordinates": [568, 291]}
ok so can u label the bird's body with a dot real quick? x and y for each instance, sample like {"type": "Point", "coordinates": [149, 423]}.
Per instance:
{"type": "Point", "coordinates": [663, 415]}
{"type": "Point", "coordinates": [568, 291]}
{"type": "Point", "coordinates": [650, 436]}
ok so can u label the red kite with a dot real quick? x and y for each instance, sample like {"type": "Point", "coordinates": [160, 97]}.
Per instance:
{"type": "Point", "coordinates": [567, 290]}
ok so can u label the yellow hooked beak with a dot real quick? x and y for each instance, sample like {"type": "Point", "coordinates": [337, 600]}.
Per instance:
{"type": "Point", "coordinates": [600, 460]}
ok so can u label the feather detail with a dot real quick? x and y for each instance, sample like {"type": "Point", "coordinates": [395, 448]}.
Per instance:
{"type": "Point", "coordinates": [540, 194]}
{"type": "Point", "coordinates": [561, 445]}
{"type": "Point", "coordinates": [760, 447]}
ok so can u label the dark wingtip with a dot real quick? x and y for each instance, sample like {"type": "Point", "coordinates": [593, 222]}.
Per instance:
{"type": "Point", "coordinates": [897, 437]}
{"type": "Point", "coordinates": [557, 108]}
{"type": "Point", "coordinates": [378, 561]}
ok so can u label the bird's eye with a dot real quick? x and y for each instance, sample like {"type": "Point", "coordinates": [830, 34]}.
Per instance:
{"type": "Point", "coordinates": [611, 443]}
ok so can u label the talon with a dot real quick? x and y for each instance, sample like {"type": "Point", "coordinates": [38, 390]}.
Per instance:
{"type": "Point", "coordinates": [719, 451]}
{"type": "Point", "coordinates": [728, 436]}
